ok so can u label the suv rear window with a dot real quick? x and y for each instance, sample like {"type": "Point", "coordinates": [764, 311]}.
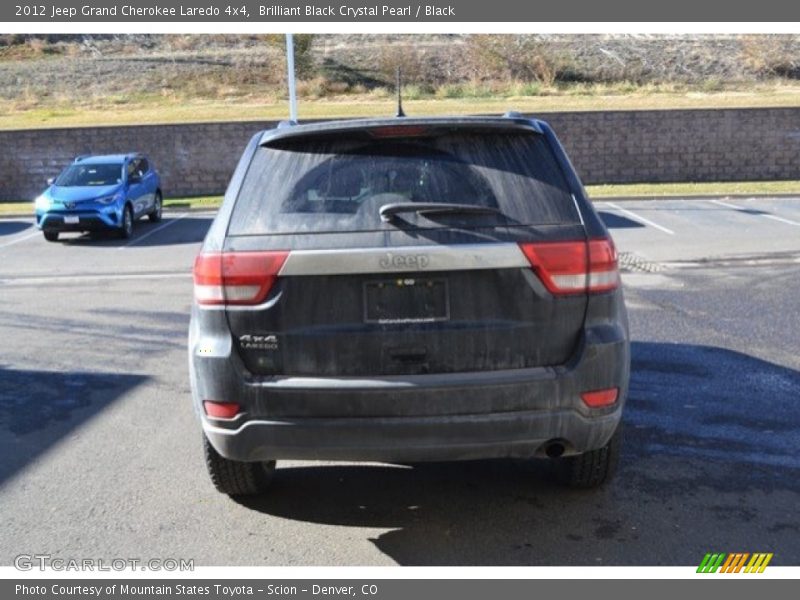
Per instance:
{"type": "Point", "coordinates": [324, 185]}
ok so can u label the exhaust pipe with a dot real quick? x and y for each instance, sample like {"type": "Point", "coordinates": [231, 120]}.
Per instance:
{"type": "Point", "coordinates": [554, 449]}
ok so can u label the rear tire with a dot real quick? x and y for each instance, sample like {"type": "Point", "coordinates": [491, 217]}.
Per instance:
{"type": "Point", "coordinates": [590, 469]}
{"type": "Point", "coordinates": [155, 215]}
{"type": "Point", "coordinates": [51, 236]}
{"type": "Point", "coordinates": [237, 478]}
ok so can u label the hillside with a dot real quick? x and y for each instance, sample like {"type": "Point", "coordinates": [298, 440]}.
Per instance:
{"type": "Point", "coordinates": [49, 80]}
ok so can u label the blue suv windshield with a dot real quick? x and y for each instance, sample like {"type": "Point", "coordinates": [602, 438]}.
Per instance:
{"type": "Point", "coordinates": [90, 175]}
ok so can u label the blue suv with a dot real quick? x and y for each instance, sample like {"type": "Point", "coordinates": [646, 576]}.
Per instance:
{"type": "Point", "coordinates": [100, 193]}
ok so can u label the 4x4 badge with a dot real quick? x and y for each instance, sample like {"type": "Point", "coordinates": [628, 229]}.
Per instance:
{"type": "Point", "coordinates": [258, 342]}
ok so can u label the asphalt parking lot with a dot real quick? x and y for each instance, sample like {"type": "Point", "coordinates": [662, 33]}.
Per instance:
{"type": "Point", "coordinates": [102, 453]}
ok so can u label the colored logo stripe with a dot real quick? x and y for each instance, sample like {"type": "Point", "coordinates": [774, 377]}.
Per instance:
{"type": "Point", "coordinates": [734, 562]}
{"type": "Point", "coordinates": [758, 563]}
{"type": "Point", "coordinates": [710, 563]}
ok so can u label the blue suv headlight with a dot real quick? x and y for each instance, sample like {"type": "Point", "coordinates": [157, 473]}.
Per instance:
{"type": "Point", "coordinates": [109, 199]}
{"type": "Point", "coordinates": [42, 202]}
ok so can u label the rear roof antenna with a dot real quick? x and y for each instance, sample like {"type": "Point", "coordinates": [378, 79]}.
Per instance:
{"type": "Point", "coordinates": [399, 87]}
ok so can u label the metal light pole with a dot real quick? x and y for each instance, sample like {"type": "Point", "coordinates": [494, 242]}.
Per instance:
{"type": "Point", "coordinates": [290, 68]}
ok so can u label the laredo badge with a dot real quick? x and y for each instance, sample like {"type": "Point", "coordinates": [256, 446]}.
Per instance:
{"type": "Point", "coordinates": [258, 342]}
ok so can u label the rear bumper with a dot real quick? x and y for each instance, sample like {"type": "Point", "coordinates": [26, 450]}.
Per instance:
{"type": "Point", "coordinates": [458, 416]}
{"type": "Point", "coordinates": [413, 439]}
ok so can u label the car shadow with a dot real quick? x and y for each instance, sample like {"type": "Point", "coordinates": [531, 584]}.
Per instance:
{"type": "Point", "coordinates": [138, 332]}
{"type": "Point", "coordinates": [711, 456]}
{"type": "Point", "coordinates": [12, 227]}
{"type": "Point", "coordinates": [40, 408]}
{"type": "Point", "coordinates": [170, 231]}
{"type": "Point", "coordinates": [614, 221]}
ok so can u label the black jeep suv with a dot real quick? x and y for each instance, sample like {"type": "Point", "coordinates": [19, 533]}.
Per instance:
{"type": "Point", "coordinates": [407, 290]}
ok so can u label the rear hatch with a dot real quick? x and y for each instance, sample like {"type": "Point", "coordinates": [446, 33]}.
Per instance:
{"type": "Point", "coordinates": [402, 250]}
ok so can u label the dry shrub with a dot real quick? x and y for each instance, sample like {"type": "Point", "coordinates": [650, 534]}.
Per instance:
{"type": "Point", "coordinates": [411, 63]}
{"type": "Point", "coordinates": [180, 43]}
{"type": "Point", "coordinates": [24, 47]}
{"type": "Point", "coordinates": [11, 39]}
{"type": "Point", "coordinates": [515, 57]}
{"type": "Point", "coordinates": [772, 55]}
{"type": "Point", "coordinates": [321, 87]}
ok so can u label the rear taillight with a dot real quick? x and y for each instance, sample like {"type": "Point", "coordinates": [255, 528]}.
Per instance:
{"type": "Point", "coordinates": [574, 267]}
{"type": "Point", "coordinates": [236, 277]}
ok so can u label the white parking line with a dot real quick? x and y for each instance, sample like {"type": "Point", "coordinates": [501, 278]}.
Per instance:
{"type": "Point", "coordinates": [20, 239]}
{"type": "Point", "coordinates": [639, 218]}
{"type": "Point", "coordinates": [781, 219]}
{"type": "Point", "coordinates": [766, 216]}
{"type": "Point", "coordinates": [726, 204]}
{"type": "Point", "coordinates": [156, 230]}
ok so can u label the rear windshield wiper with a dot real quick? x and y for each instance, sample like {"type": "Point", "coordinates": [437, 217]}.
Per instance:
{"type": "Point", "coordinates": [388, 211]}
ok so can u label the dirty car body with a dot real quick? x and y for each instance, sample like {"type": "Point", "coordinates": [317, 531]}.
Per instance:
{"type": "Point", "coordinates": [406, 290]}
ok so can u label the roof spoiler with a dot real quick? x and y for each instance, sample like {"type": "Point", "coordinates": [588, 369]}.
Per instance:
{"type": "Point", "coordinates": [288, 129]}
